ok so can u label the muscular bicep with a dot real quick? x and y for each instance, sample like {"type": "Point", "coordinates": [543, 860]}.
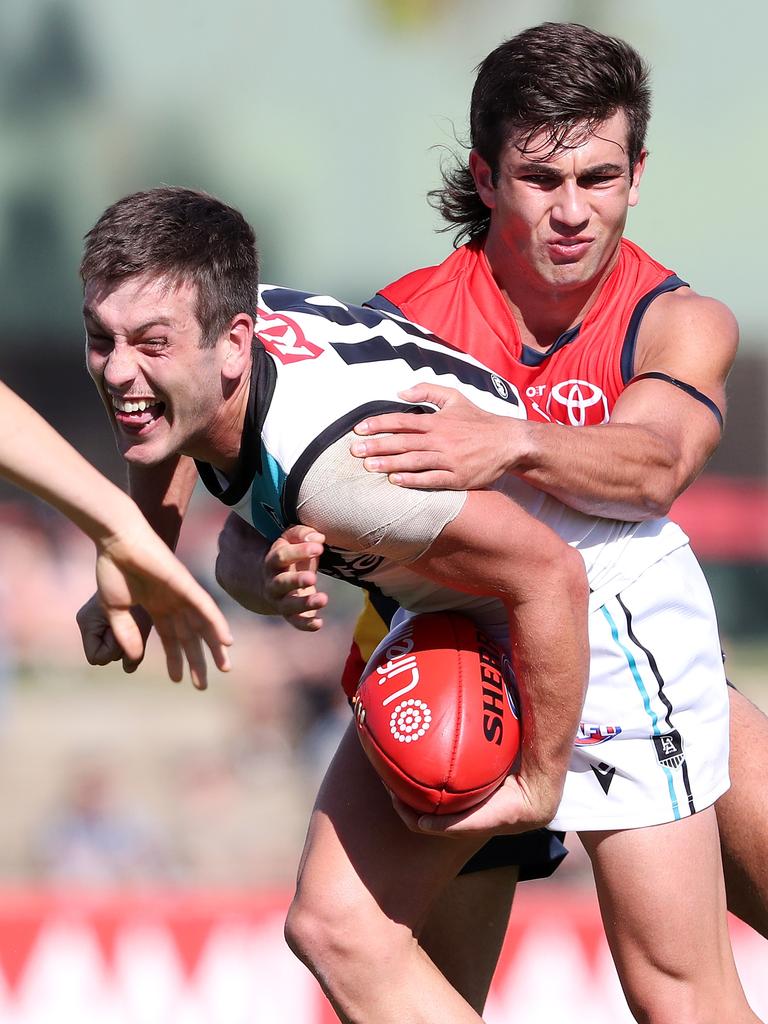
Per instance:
{"type": "Point", "coordinates": [686, 350]}
{"type": "Point", "coordinates": [364, 512]}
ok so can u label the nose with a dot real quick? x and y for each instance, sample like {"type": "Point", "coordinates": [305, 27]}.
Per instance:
{"type": "Point", "coordinates": [119, 367]}
{"type": "Point", "coordinates": [570, 209]}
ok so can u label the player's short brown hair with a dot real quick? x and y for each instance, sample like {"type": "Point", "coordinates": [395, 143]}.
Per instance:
{"type": "Point", "coordinates": [182, 235]}
{"type": "Point", "coordinates": [560, 78]}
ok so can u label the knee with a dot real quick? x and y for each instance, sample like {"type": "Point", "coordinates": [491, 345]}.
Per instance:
{"type": "Point", "coordinates": [315, 935]}
{"type": "Point", "coordinates": [331, 935]}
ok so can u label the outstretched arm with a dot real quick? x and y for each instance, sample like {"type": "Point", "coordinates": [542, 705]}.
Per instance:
{"type": "Point", "coordinates": [657, 441]}
{"type": "Point", "coordinates": [133, 566]}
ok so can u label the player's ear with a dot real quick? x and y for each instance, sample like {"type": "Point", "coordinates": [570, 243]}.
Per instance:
{"type": "Point", "coordinates": [238, 346]}
{"type": "Point", "coordinates": [637, 173]}
{"type": "Point", "coordinates": [483, 176]}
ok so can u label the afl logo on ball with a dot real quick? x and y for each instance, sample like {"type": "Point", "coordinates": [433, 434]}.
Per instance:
{"type": "Point", "coordinates": [577, 403]}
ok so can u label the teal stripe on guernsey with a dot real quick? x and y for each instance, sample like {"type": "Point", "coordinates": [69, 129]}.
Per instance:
{"type": "Point", "coordinates": [266, 497]}
{"type": "Point", "coordinates": [646, 704]}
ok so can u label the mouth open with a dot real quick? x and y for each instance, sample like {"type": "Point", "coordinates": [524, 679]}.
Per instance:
{"type": "Point", "coordinates": [136, 415]}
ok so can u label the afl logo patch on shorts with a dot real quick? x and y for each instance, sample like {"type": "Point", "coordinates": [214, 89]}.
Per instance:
{"type": "Point", "coordinates": [588, 735]}
{"type": "Point", "coordinates": [577, 403]}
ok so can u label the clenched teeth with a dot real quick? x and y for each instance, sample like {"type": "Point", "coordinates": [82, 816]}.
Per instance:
{"type": "Point", "coordinates": [123, 406]}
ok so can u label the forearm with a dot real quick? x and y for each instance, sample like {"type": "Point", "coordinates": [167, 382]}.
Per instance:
{"type": "Point", "coordinates": [550, 655]}
{"type": "Point", "coordinates": [494, 548]}
{"type": "Point", "coordinates": [617, 470]}
{"type": "Point", "coordinates": [240, 567]}
{"type": "Point", "coordinates": [163, 493]}
{"type": "Point", "coordinates": [632, 468]}
{"type": "Point", "coordinates": [35, 457]}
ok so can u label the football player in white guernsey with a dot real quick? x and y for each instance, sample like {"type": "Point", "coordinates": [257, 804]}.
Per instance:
{"type": "Point", "coordinates": [171, 309]}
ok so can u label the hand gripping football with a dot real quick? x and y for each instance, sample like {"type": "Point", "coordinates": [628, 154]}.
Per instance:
{"type": "Point", "coordinates": [435, 713]}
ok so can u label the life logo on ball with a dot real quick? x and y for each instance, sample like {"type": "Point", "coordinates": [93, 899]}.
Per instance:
{"type": "Point", "coordinates": [399, 661]}
{"type": "Point", "coordinates": [577, 403]}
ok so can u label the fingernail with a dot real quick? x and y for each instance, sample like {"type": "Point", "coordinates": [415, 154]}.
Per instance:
{"type": "Point", "coordinates": [362, 428]}
{"type": "Point", "coordinates": [358, 448]}
{"type": "Point", "coordinates": [395, 478]}
{"type": "Point", "coordinates": [372, 464]}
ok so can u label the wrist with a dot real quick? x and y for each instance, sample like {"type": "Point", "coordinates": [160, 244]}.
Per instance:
{"type": "Point", "coordinates": [526, 446]}
{"type": "Point", "coordinates": [118, 516]}
{"type": "Point", "coordinates": [543, 791]}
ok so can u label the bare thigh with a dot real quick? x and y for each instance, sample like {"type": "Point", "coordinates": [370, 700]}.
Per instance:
{"type": "Point", "coordinates": [742, 815]}
{"type": "Point", "coordinates": [662, 899]}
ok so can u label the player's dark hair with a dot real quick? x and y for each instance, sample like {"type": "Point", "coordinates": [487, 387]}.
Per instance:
{"type": "Point", "coordinates": [559, 78]}
{"type": "Point", "coordinates": [181, 235]}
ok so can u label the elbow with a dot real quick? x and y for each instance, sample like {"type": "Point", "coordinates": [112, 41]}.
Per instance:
{"type": "Point", "coordinates": [672, 471]}
{"type": "Point", "coordinates": [653, 505]}
{"type": "Point", "coordinates": [660, 493]}
{"type": "Point", "coordinates": [570, 565]}
{"type": "Point", "coordinates": [560, 571]}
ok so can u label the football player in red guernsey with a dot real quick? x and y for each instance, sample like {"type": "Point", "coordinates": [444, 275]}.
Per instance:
{"type": "Point", "coordinates": [587, 326]}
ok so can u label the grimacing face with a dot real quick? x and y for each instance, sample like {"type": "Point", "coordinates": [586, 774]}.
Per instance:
{"type": "Point", "coordinates": [557, 218]}
{"type": "Point", "coordinates": [162, 391]}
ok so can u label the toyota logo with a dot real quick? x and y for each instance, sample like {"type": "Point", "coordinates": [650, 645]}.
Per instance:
{"type": "Point", "coordinates": [577, 403]}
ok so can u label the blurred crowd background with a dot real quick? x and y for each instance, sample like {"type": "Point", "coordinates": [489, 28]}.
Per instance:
{"type": "Point", "coordinates": [326, 123]}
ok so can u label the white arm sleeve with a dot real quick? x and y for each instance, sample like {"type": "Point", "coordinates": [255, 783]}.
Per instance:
{"type": "Point", "coordinates": [364, 512]}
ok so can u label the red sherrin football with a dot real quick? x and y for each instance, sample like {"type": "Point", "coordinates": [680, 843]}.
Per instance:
{"type": "Point", "coordinates": [435, 713]}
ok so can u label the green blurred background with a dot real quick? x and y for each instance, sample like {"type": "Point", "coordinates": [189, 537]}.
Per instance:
{"type": "Point", "coordinates": [326, 124]}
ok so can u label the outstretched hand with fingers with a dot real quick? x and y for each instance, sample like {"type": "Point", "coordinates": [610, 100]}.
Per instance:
{"type": "Point", "coordinates": [136, 568]}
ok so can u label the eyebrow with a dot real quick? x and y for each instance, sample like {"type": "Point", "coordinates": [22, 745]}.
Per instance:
{"type": "Point", "coordinates": [542, 168]}
{"type": "Point", "coordinates": [158, 321]}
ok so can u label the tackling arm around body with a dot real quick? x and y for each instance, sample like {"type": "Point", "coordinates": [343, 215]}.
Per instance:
{"type": "Point", "coordinates": [495, 548]}
{"type": "Point", "coordinates": [657, 441]}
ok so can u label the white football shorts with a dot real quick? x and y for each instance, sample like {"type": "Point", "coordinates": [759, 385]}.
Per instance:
{"type": "Point", "coordinates": [652, 746]}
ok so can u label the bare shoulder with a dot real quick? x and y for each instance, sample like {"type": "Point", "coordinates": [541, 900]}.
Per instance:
{"type": "Point", "coordinates": [683, 323]}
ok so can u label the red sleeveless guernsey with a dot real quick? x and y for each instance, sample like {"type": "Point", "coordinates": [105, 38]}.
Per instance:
{"type": "Point", "coordinates": [578, 379]}
{"type": "Point", "coordinates": [576, 382]}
